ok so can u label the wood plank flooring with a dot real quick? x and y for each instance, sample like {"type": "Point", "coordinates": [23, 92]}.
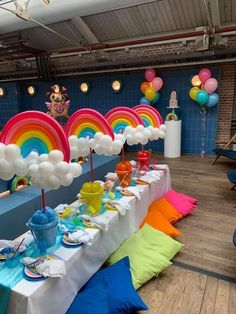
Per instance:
{"type": "Point", "coordinates": [207, 287]}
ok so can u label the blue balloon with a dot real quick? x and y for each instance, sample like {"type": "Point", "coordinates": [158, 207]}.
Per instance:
{"type": "Point", "coordinates": [144, 101]}
{"type": "Point", "coordinates": [156, 98]}
{"type": "Point", "coordinates": [213, 100]}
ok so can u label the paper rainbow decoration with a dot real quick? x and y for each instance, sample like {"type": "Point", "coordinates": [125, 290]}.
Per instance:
{"type": "Point", "coordinates": [120, 117]}
{"type": "Point", "coordinates": [149, 115]}
{"type": "Point", "coordinates": [35, 131]}
{"type": "Point", "coordinates": [86, 123]}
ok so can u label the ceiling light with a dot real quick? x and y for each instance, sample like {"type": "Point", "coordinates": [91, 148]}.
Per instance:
{"type": "Point", "coordinates": [2, 92]}
{"type": "Point", "coordinates": [116, 86]}
{"type": "Point", "coordinates": [84, 87]}
{"type": "Point", "coordinates": [31, 90]}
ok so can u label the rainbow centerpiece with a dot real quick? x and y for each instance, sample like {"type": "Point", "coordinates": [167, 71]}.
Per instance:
{"type": "Point", "coordinates": [149, 115]}
{"type": "Point", "coordinates": [121, 117]}
{"type": "Point", "coordinates": [35, 131]}
{"type": "Point", "coordinates": [86, 123]}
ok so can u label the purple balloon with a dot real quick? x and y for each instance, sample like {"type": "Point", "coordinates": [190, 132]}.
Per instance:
{"type": "Point", "coordinates": [150, 74]}
{"type": "Point", "coordinates": [204, 75]}
{"type": "Point", "coordinates": [211, 85]}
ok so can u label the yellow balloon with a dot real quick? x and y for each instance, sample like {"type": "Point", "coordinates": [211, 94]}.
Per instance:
{"type": "Point", "coordinates": [196, 81]}
{"type": "Point", "coordinates": [193, 92]}
{"type": "Point", "coordinates": [150, 93]}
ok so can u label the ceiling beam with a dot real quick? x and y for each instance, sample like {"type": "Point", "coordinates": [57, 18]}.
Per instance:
{"type": "Point", "coordinates": [215, 12]}
{"type": "Point", "coordinates": [84, 30]}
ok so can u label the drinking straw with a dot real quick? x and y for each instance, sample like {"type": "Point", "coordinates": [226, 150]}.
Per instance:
{"type": "Point", "coordinates": [18, 247]}
{"type": "Point", "coordinates": [43, 200]}
{"type": "Point", "coordinates": [91, 166]}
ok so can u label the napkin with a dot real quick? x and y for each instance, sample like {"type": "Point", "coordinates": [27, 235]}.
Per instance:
{"type": "Point", "coordinates": [134, 190]}
{"type": "Point", "coordinates": [51, 268]}
{"type": "Point", "coordinates": [133, 163]}
{"type": "Point", "coordinates": [121, 205]}
{"type": "Point", "coordinates": [80, 236]}
{"type": "Point", "coordinates": [13, 245]}
{"type": "Point", "coordinates": [151, 177]}
{"type": "Point", "coordinates": [60, 208]}
{"type": "Point", "coordinates": [111, 176]}
{"type": "Point", "coordinates": [99, 221]}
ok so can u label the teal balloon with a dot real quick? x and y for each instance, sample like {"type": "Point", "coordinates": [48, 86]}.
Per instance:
{"type": "Point", "coordinates": [202, 97]}
{"type": "Point", "coordinates": [144, 101]}
{"type": "Point", "coordinates": [156, 98]}
{"type": "Point", "coordinates": [213, 100]}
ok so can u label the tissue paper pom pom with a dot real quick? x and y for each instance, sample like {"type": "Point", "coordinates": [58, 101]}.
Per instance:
{"type": "Point", "coordinates": [33, 169]}
{"type": "Point", "coordinates": [75, 169]}
{"type": "Point", "coordinates": [19, 167]}
{"type": "Point", "coordinates": [12, 151]}
{"type": "Point", "coordinates": [43, 157]}
{"type": "Point", "coordinates": [53, 182]}
{"type": "Point", "coordinates": [67, 180]}
{"type": "Point", "coordinates": [74, 152]}
{"type": "Point", "coordinates": [55, 156]}
{"type": "Point", "coordinates": [46, 169]}
{"type": "Point", "coordinates": [62, 168]}
{"type": "Point", "coordinates": [73, 140]}
{"type": "Point", "coordinates": [162, 127]}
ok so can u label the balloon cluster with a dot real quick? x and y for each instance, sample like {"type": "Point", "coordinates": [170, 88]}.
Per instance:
{"type": "Point", "coordinates": [141, 134]}
{"type": "Point", "coordinates": [46, 170]}
{"type": "Point", "coordinates": [102, 144]}
{"type": "Point", "coordinates": [150, 88]}
{"type": "Point", "coordinates": [11, 162]}
{"type": "Point", "coordinates": [203, 90]}
{"type": "Point", "coordinates": [50, 170]}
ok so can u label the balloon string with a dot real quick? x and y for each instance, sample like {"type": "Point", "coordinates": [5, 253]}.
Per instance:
{"type": "Point", "coordinates": [43, 200]}
{"type": "Point", "coordinates": [123, 153]}
{"type": "Point", "coordinates": [91, 166]}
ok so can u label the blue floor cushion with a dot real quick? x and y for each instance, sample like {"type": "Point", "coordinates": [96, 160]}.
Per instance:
{"type": "Point", "coordinates": [93, 300]}
{"type": "Point", "coordinates": [123, 298]}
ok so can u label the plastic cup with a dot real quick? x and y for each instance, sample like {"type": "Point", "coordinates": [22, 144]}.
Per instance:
{"type": "Point", "coordinates": [44, 235]}
{"type": "Point", "coordinates": [124, 177]}
{"type": "Point", "coordinates": [93, 200]}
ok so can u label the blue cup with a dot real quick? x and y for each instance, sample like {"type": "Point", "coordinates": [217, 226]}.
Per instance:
{"type": "Point", "coordinates": [44, 235]}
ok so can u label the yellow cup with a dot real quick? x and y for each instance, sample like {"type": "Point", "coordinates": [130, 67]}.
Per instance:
{"type": "Point", "coordinates": [93, 201]}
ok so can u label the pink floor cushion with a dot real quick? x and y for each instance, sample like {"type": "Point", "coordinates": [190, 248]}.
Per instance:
{"type": "Point", "coordinates": [181, 203]}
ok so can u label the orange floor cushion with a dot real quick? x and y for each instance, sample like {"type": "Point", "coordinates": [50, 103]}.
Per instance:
{"type": "Point", "coordinates": [167, 209]}
{"type": "Point", "coordinates": [155, 219]}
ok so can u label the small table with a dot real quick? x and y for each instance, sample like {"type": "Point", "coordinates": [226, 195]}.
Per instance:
{"type": "Point", "coordinates": [54, 295]}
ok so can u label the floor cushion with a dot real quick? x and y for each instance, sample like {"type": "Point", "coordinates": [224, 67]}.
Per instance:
{"type": "Point", "coordinates": [121, 293]}
{"type": "Point", "coordinates": [158, 221]}
{"type": "Point", "coordinates": [162, 242]}
{"type": "Point", "coordinates": [93, 300]}
{"type": "Point", "coordinates": [145, 259]}
{"type": "Point", "coordinates": [181, 204]}
{"type": "Point", "coordinates": [167, 210]}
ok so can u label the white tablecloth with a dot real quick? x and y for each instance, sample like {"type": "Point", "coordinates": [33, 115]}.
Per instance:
{"type": "Point", "coordinates": [54, 295]}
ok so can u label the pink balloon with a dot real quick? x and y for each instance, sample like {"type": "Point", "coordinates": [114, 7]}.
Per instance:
{"type": "Point", "coordinates": [157, 83]}
{"type": "Point", "coordinates": [150, 74]}
{"type": "Point", "coordinates": [204, 75]}
{"type": "Point", "coordinates": [211, 85]}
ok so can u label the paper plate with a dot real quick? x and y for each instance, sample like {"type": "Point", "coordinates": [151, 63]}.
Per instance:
{"type": "Point", "coordinates": [31, 273]}
{"type": "Point", "coordinates": [126, 193]}
{"type": "Point", "coordinates": [68, 243]}
{"type": "Point", "coordinates": [109, 206]}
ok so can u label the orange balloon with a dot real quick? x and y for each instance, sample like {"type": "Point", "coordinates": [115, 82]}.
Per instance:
{"type": "Point", "coordinates": [196, 81]}
{"type": "Point", "coordinates": [203, 86]}
{"type": "Point", "coordinates": [144, 86]}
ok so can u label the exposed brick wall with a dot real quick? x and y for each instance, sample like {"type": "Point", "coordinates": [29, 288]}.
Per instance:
{"type": "Point", "coordinates": [227, 87]}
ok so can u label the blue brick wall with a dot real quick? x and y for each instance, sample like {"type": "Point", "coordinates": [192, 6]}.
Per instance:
{"type": "Point", "coordinates": [102, 98]}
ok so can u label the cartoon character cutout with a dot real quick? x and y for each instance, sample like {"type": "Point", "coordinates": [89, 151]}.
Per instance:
{"type": "Point", "coordinates": [59, 105]}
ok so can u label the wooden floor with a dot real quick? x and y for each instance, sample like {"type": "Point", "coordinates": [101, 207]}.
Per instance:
{"type": "Point", "coordinates": [202, 279]}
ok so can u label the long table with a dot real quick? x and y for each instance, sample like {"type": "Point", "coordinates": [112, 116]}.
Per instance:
{"type": "Point", "coordinates": [54, 295]}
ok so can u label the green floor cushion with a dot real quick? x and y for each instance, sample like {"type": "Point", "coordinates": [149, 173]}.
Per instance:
{"type": "Point", "coordinates": [164, 244]}
{"type": "Point", "coordinates": [145, 259]}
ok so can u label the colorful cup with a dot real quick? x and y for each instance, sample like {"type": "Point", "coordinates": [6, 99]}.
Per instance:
{"type": "Point", "coordinates": [92, 198]}
{"type": "Point", "coordinates": [124, 177]}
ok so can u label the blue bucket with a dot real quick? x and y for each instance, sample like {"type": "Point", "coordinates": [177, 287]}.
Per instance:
{"type": "Point", "coordinates": [44, 235]}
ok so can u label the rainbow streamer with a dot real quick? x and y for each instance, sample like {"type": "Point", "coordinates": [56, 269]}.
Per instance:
{"type": "Point", "coordinates": [86, 123]}
{"type": "Point", "coordinates": [149, 115]}
{"type": "Point", "coordinates": [35, 131]}
{"type": "Point", "coordinates": [121, 117]}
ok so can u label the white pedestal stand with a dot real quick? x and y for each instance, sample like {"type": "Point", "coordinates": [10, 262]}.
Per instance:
{"type": "Point", "coordinates": [172, 144]}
